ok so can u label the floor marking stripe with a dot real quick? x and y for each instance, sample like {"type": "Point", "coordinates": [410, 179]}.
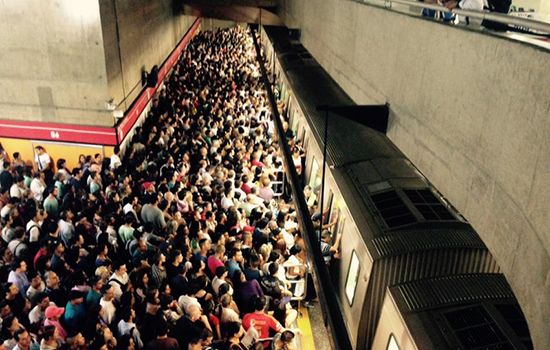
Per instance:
{"type": "Point", "coordinates": [305, 327]}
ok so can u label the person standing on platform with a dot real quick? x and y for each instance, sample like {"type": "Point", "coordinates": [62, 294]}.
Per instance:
{"type": "Point", "coordinates": [43, 162]}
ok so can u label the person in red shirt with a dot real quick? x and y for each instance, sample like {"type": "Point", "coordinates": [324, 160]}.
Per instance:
{"type": "Point", "coordinates": [260, 320]}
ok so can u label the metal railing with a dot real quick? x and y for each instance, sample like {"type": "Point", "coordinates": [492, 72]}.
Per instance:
{"type": "Point", "coordinates": [480, 15]}
{"type": "Point", "coordinates": [298, 280]}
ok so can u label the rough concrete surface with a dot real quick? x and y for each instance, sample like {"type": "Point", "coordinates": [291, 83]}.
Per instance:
{"type": "Point", "coordinates": [52, 64]}
{"type": "Point", "coordinates": [471, 111]}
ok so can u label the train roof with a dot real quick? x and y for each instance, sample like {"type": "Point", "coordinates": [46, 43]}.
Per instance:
{"type": "Point", "coordinates": [476, 311]}
{"type": "Point", "coordinates": [394, 206]}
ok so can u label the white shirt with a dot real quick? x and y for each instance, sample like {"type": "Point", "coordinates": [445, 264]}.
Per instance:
{"type": "Point", "coordinates": [186, 302]}
{"type": "Point", "coordinates": [115, 162]}
{"type": "Point", "coordinates": [66, 231]}
{"type": "Point", "coordinates": [5, 211]}
{"type": "Point", "coordinates": [43, 161]}
{"type": "Point", "coordinates": [470, 5]}
{"type": "Point", "coordinates": [16, 191]}
{"type": "Point", "coordinates": [37, 189]}
{"type": "Point", "coordinates": [38, 315]}
{"type": "Point", "coordinates": [118, 289]}
{"type": "Point", "coordinates": [34, 233]}
{"type": "Point", "coordinates": [109, 310]}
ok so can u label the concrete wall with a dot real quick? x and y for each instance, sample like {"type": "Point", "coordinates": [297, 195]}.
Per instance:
{"type": "Point", "coordinates": [148, 31]}
{"type": "Point", "coordinates": [470, 110]}
{"type": "Point", "coordinates": [52, 63]}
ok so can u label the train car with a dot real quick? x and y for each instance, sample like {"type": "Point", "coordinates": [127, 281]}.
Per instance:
{"type": "Point", "coordinates": [396, 227]}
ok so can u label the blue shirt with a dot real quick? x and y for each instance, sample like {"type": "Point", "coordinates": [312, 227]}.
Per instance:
{"type": "Point", "coordinates": [74, 315]}
{"type": "Point", "coordinates": [232, 267]}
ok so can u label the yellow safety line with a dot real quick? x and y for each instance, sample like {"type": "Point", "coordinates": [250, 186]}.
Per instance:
{"type": "Point", "coordinates": [305, 327]}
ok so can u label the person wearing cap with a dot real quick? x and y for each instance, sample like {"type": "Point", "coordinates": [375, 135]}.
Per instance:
{"type": "Point", "coordinates": [53, 314]}
{"type": "Point", "coordinates": [75, 312]}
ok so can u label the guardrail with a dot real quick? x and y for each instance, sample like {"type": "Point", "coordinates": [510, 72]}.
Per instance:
{"type": "Point", "coordinates": [481, 15]}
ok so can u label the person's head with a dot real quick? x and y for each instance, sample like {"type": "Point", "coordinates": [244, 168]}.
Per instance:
{"type": "Point", "coordinates": [52, 280]}
{"type": "Point", "coordinates": [287, 337]}
{"type": "Point", "coordinates": [234, 330]}
{"type": "Point", "coordinates": [221, 272]}
{"type": "Point", "coordinates": [254, 261]}
{"type": "Point", "coordinates": [42, 300]}
{"type": "Point", "coordinates": [11, 290]}
{"type": "Point", "coordinates": [119, 267]}
{"type": "Point", "coordinates": [195, 344]}
{"type": "Point", "coordinates": [235, 254]}
{"type": "Point", "coordinates": [162, 328]}
{"type": "Point", "coordinates": [259, 303]}
{"type": "Point", "coordinates": [49, 333]}
{"type": "Point", "coordinates": [76, 297]}
{"type": "Point", "coordinates": [19, 265]}
{"type": "Point", "coordinates": [206, 337]}
{"type": "Point", "coordinates": [127, 342]}
{"type": "Point", "coordinates": [108, 292]}
{"type": "Point", "coordinates": [193, 313]}
{"type": "Point", "coordinates": [10, 325]}
{"type": "Point", "coordinates": [76, 341]}
{"type": "Point", "coordinates": [39, 150]}
{"type": "Point", "coordinates": [325, 235]}
{"type": "Point", "coordinates": [96, 283]}
{"type": "Point", "coordinates": [23, 338]}
{"type": "Point", "coordinates": [127, 314]}
{"type": "Point", "coordinates": [54, 313]}
{"type": "Point", "coordinates": [220, 249]}
{"type": "Point", "coordinates": [205, 245]}
{"type": "Point", "coordinates": [19, 233]}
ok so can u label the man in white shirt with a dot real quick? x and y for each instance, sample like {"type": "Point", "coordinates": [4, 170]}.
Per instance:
{"type": "Point", "coordinates": [38, 313]}
{"type": "Point", "coordinates": [119, 279]}
{"type": "Point", "coordinates": [66, 227]}
{"type": "Point", "coordinates": [18, 189]}
{"type": "Point", "coordinates": [42, 159]}
{"type": "Point", "coordinates": [115, 159]}
{"type": "Point", "coordinates": [34, 226]}
{"type": "Point", "coordinates": [109, 309]}
{"type": "Point", "coordinates": [38, 185]}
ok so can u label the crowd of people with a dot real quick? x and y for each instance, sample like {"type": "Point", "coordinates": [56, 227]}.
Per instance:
{"type": "Point", "coordinates": [180, 242]}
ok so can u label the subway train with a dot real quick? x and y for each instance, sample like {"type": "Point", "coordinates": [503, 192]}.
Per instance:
{"type": "Point", "coordinates": [412, 272]}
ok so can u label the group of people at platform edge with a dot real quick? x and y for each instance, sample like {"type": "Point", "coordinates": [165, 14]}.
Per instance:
{"type": "Point", "coordinates": [182, 242]}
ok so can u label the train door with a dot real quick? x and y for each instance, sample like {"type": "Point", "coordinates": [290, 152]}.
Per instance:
{"type": "Point", "coordinates": [355, 266]}
{"type": "Point", "coordinates": [314, 181]}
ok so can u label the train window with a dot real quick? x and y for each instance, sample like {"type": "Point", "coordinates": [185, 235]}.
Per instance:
{"type": "Point", "coordinates": [313, 176]}
{"type": "Point", "coordinates": [392, 209]}
{"type": "Point", "coordinates": [353, 276]}
{"type": "Point", "coordinates": [429, 205]}
{"type": "Point", "coordinates": [392, 344]}
{"type": "Point", "coordinates": [294, 126]}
